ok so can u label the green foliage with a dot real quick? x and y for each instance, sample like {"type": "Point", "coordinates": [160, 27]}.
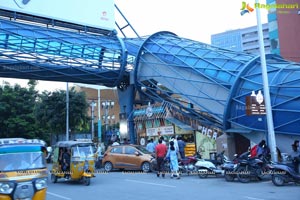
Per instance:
{"type": "Point", "coordinates": [16, 111]}
{"type": "Point", "coordinates": [51, 111]}
{"type": "Point", "coordinates": [25, 113]}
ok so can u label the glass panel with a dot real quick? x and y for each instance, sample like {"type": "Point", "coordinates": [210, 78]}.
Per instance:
{"type": "Point", "coordinates": [22, 161]}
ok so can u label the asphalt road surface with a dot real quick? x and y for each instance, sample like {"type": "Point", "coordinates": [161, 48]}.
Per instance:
{"type": "Point", "coordinates": [125, 185]}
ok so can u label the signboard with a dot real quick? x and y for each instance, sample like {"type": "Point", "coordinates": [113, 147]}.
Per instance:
{"type": "Point", "coordinates": [255, 105]}
{"type": "Point", "coordinates": [163, 130]}
{"type": "Point", "coordinates": [93, 13]}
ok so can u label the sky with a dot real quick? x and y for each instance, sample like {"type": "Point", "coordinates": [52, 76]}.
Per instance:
{"type": "Point", "coordinates": [192, 19]}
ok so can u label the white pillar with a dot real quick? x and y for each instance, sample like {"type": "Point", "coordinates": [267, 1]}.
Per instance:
{"type": "Point", "coordinates": [271, 133]}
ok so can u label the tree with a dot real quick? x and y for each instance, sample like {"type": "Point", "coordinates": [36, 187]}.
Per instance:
{"type": "Point", "coordinates": [17, 111]}
{"type": "Point", "coordinates": [51, 111]}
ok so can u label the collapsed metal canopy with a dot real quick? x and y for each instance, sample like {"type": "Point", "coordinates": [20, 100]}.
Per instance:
{"type": "Point", "coordinates": [43, 53]}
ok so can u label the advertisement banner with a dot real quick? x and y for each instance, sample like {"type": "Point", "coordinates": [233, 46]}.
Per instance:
{"type": "Point", "coordinates": [93, 13]}
{"type": "Point", "coordinates": [163, 130]}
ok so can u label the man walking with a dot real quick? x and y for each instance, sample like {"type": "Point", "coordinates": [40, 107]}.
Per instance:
{"type": "Point", "coordinates": [160, 153]}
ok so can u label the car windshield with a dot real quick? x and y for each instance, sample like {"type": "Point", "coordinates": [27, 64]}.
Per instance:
{"type": "Point", "coordinates": [21, 161]}
{"type": "Point", "coordinates": [143, 149]}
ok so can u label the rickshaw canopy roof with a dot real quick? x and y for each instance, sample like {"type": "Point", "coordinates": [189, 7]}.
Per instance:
{"type": "Point", "coordinates": [68, 144]}
{"type": "Point", "coordinates": [4, 149]}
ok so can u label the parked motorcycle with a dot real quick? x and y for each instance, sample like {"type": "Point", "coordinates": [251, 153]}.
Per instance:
{"type": "Point", "coordinates": [206, 167]}
{"type": "Point", "coordinates": [251, 168]}
{"type": "Point", "coordinates": [230, 167]}
{"type": "Point", "coordinates": [283, 173]}
{"type": "Point", "coordinates": [187, 165]}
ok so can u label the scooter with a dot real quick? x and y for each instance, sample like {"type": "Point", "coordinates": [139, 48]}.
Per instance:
{"type": "Point", "coordinates": [284, 173]}
{"type": "Point", "coordinates": [206, 167]}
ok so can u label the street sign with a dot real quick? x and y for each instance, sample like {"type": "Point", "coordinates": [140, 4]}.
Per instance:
{"type": "Point", "coordinates": [255, 106]}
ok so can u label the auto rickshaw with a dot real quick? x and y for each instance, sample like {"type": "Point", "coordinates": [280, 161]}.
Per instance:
{"type": "Point", "coordinates": [23, 170]}
{"type": "Point", "coordinates": [82, 161]}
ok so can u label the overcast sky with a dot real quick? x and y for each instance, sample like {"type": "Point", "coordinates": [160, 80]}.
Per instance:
{"type": "Point", "coordinates": [192, 19]}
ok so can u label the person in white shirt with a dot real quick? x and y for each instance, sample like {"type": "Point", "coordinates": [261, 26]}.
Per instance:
{"type": "Point", "coordinates": [117, 142]}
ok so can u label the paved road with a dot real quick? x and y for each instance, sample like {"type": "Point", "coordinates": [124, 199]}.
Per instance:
{"type": "Point", "coordinates": [133, 185]}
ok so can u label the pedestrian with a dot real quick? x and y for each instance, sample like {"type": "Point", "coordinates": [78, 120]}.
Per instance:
{"type": "Point", "coordinates": [296, 144]}
{"type": "Point", "coordinates": [117, 142]}
{"type": "Point", "coordinates": [181, 146]}
{"type": "Point", "coordinates": [160, 154]}
{"type": "Point", "coordinates": [60, 158]}
{"type": "Point", "coordinates": [172, 156]}
{"type": "Point", "coordinates": [66, 162]}
{"type": "Point", "coordinates": [175, 143]}
{"type": "Point", "coordinates": [125, 141]}
{"type": "Point", "coordinates": [176, 146]}
{"type": "Point", "coordinates": [150, 146]}
{"type": "Point", "coordinates": [295, 155]}
{"type": "Point", "coordinates": [262, 150]}
{"type": "Point", "coordinates": [163, 140]}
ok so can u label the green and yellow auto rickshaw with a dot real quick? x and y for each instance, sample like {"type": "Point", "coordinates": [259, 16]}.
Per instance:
{"type": "Point", "coordinates": [23, 170]}
{"type": "Point", "coordinates": [81, 163]}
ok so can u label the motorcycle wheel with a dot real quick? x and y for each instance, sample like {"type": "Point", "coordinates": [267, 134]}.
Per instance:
{"type": "Point", "coordinates": [229, 177]}
{"type": "Point", "coordinates": [203, 173]}
{"type": "Point", "coordinates": [278, 180]}
{"type": "Point", "coordinates": [243, 174]}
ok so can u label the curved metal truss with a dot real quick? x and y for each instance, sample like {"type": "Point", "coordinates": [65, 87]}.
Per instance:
{"type": "Point", "coordinates": [207, 83]}
{"type": "Point", "coordinates": [45, 53]}
{"type": "Point", "coordinates": [212, 83]}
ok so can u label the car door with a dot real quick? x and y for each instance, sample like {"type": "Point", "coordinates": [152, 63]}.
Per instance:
{"type": "Point", "coordinates": [116, 156]}
{"type": "Point", "coordinates": [131, 159]}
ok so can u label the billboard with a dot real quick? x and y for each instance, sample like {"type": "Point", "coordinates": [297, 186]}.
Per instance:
{"type": "Point", "coordinates": [93, 13]}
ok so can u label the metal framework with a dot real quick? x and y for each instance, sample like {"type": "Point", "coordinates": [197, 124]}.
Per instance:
{"type": "Point", "coordinates": [41, 53]}
{"type": "Point", "coordinates": [205, 82]}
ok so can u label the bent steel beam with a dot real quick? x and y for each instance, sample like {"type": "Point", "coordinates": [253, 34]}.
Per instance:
{"type": "Point", "coordinates": [215, 81]}
{"type": "Point", "coordinates": [36, 52]}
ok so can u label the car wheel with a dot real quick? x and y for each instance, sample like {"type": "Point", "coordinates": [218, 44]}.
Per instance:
{"type": "Point", "coordinates": [146, 167]}
{"type": "Point", "coordinates": [108, 166]}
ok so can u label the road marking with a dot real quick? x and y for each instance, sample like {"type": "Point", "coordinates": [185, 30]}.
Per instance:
{"type": "Point", "coordinates": [253, 198]}
{"type": "Point", "coordinates": [59, 196]}
{"type": "Point", "coordinates": [149, 183]}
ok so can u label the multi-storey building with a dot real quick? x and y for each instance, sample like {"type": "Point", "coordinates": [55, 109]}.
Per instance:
{"type": "Point", "coordinates": [284, 28]}
{"type": "Point", "coordinates": [245, 39]}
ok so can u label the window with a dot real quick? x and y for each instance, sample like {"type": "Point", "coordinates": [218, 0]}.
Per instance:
{"type": "Point", "coordinates": [116, 150]}
{"type": "Point", "coordinates": [130, 150]}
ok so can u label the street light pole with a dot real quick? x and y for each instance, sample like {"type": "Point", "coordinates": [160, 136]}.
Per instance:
{"type": "Point", "coordinates": [93, 104]}
{"type": "Point", "coordinates": [67, 112]}
{"type": "Point", "coordinates": [271, 134]}
{"type": "Point", "coordinates": [99, 118]}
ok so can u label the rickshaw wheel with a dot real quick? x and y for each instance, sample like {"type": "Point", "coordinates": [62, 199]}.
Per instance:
{"type": "Point", "coordinates": [86, 181]}
{"type": "Point", "coordinates": [53, 178]}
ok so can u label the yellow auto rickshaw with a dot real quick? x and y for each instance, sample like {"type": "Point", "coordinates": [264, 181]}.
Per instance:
{"type": "Point", "coordinates": [23, 170]}
{"type": "Point", "coordinates": [80, 165]}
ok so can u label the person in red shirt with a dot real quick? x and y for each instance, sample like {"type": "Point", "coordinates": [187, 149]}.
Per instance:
{"type": "Point", "coordinates": [160, 153]}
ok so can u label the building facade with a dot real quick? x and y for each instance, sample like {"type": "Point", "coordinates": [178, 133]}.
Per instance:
{"type": "Point", "coordinates": [242, 39]}
{"type": "Point", "coordinates": [284, 29]}
{"type": "Point", "coordinates": [109, 110]}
